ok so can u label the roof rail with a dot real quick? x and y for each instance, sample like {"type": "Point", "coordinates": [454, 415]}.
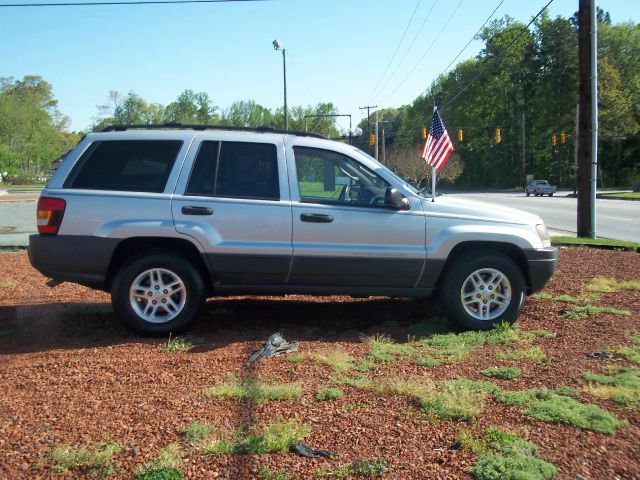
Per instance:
{"type": "Point", "coordinates": [185, 126]}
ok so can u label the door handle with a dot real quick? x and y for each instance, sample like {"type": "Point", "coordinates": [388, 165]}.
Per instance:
{"type": "Point", "coordinates": [197, 210]}
{"type": "Point", "coordinates": [316, 218]}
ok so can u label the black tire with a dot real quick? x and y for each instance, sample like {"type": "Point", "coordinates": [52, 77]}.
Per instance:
{"type": "Point", "coordinates": [528, 194]}
{"type": "Point", "coordinates": [460, 270]}
{"type": "Point", "coordinates": [174, 264]}
{"type": "Point", "coordinates": [551, 194]}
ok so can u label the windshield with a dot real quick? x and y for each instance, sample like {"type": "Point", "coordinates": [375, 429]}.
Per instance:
{"type": "Point", "coordinates": [406, 184]}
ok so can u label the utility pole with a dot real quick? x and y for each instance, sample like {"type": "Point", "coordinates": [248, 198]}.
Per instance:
{"type": "Point", "coordinates": [524, 152]}
{"type": "Point", "coordinates": [588, 118]}
{"type": "Point", "coordinates": [276, 46]}
{"type": "Point", "coordinates": [377, 140]}
{"type": "Point", "coordinates": [368, 109]}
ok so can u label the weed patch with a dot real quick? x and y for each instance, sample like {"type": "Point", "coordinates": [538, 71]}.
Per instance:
{"type": "Point", "coordinates": [294, 358]}
{"type": "Point", "coordinates": [427, 362]}
{"type": "Point", "coordinates": [632, 353]}
{"type": "Point", "coordinates": [197, 431]}
{"type": "Point", "coordinates": [329, 394]}
{"type": "Point", "coordinates": [266, 474]}
{"type": "Point", "coordinates": [558, 409]}
{"type": "Point", "coordinates": [338, 359]}
{"type": "Point", "coordinates": [166, 466]}
{"type": "Point", "coordinates": [384, 349]}
{"type": "Point", "coordinates": [589, 310]}
{"type": "Point", "coordinates": [535, 354]}
{"type": "Point", "coordinates": [359, 468]}
{"type": "Point", "coordinates": [504, 373]}
{"type": "Point", "coordinates": [9, 283]}
{"type": "Point", "coordinates": [622, 388]}
{"type": "Point", "coordinates": [94, 461]}
{"type": "Point", "coordinates": [180, 344]}
{"type": "Point", "coordinates": [248, 388]}
{"type": "Point", "coordinates": [277, 437]}
{"type": "Point", "coordinates": [610, 285]}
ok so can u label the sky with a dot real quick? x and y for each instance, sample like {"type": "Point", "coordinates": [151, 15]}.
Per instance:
{"type": "Point", "coordinates": [337, 50]}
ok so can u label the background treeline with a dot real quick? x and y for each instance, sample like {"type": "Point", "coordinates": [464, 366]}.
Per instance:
{"type": "Point", "coordinates": [523, 82]}
{"type": "Point", "coordinates": [531, 74]}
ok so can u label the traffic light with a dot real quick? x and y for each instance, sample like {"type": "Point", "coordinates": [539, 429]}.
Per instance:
{"type": "Point", "coordinates": [498, 135]}
{"type": "Point", "coordinates": [563, 137]}
{"type": "Point", "coordinates": [554, 140]}
{"type": "Point", "coordinates": [460, 135]}
{"type": "Point", "coordinates": [424, 133]}
{"type": "Point", "coordinates": [372, 139]}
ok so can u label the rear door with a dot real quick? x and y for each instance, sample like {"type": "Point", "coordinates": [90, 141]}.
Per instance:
{"type": "Point", "coordinates": [343, 235]}
{"type": "Point", "coordinates": [233, 198]}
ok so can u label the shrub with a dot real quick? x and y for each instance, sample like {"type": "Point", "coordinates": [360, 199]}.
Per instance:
{"type": "Point", "coordinates": [512, 467]}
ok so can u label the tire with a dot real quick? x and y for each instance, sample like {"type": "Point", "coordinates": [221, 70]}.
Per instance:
{"type": "Point", "coordinates": [528, 194]}
{"type": "Point", "coordinates": [458, 284]}
{"type": "Point", "coordinates": [551, 194]}
{"type": "Point", "coordinates": [176, 305]}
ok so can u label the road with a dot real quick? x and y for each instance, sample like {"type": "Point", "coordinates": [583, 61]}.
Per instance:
{"type": "Point", "coordinates": [616, 219]}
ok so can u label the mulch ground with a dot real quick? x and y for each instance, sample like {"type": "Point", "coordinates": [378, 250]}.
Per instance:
{"type": "Point", "coordinates": [71, 374]}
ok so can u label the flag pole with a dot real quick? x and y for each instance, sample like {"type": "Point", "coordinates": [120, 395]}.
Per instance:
{"type": "Point", "coordinates": [433, 171]}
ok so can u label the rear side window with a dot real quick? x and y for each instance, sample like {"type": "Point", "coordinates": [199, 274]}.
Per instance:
{"type": "Point", "coordinates": [236, 170]}
{"type": "Point", "coordinates": [125, 165]}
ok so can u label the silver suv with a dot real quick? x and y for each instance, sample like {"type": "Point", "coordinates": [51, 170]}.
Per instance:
{"type": "Point", "coordinates": [164, 217]}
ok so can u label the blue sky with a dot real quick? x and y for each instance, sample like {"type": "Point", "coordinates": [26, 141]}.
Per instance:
{"type": "Point", "coordinates": [336, 49]}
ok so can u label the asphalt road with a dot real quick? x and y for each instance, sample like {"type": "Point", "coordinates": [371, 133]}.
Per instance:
{"type": "Point", "coordinates": [616, 219]}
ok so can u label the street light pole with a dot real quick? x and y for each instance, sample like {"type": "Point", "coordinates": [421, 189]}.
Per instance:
{"type": "Point", "coordinates": [276, 46]}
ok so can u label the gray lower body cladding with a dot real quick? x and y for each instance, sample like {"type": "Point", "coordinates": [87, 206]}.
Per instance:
{"type": "Point", "coordinates": [542, 264]}
{"type": "Point", "coordinates": [73, 258]}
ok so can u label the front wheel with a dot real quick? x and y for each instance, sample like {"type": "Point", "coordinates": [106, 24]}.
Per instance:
{"type": "Point", "coordinates": [480, 291]}
{"type": "Point", "coordinates": [158, 294]}
{"type": "Point", "coordinates": [528, 194]}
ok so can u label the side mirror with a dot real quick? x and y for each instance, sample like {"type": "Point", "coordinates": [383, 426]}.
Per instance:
{"type": "Point", "coordinates": [394, 199]}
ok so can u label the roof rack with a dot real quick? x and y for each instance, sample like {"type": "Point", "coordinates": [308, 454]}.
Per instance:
{"type": "Point", "coordinates": [185, 126]}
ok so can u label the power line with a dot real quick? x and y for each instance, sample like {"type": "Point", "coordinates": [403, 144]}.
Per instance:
{"type": "Point", "coordinates": [135, 2]}
{"type": "Point", "coordinates": [498, 56]}
{"type": "Point", "coordinates": [413, 41]}
{"type": "Point", "coordinates": [393, 57]}
{"type": "Point", "coordinates": [428, 50]}
{"type": "Point", "coordinates": [469, 42]}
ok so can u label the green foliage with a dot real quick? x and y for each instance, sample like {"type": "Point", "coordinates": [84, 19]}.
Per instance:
{"type": "Point", "coordinates": [329, 394]}
{"type": "Point", "coordinates": [338, 359]}
{"type": "Point", "coordinates": [542, 296]}
{"type": "Point", "coordinates": [166, 466]}
{"type": "Point", "coordinates": [9, 283]}
{"type": "Point", "coordinates": [266, 474]}
{"type": "Point", "coordinates": [578, 312]}
{"type": "Point", "coordinates": [294, 358]}
{"type": "Point", "coordinates": [427, 362]}
{"type": "Point", "coordinates": [179, 344]}
{"type": "Point", "coordinates": [277, 437]}
{"type": "Point", "coordinates": [197, 431]}
{"type": "Point", "coordinates": [249, 388]}
{"type": "Point", "coordinates": [384, 349]}
{"type": "Point", "coordinates": [606, 242]}
{"type": "Point", "coordinates": [631, 353]}
{"type": "Point", "coordinates": [558, 409]}
{"type": "Point", "coordinates": [94, 460]}
{"type": "Point", "coordinates": [504, 373]}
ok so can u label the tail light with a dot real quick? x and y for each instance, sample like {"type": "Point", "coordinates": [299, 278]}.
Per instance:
{"type": "Point", "coordinates": [50, 213]}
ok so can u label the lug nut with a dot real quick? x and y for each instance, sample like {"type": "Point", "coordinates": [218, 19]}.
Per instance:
{"type": "Point", "coordinates": [164, 300]}
{"type": "Point", "coordinates": [157, 287]}
{"type": "Point", "coordinates": [478, 295]}
{"type": "Point", "coordinates": [481, 287]}
{"type": "Point", "coordinates": [165, 291]}
{"type": "Point", "coordinates": [154, 302]}
{"type": "Point", "coordinates": [490, 288]}
{"type": "Point", "coordinates": [150, 294]}
{"type": "Point", "coordinates": [484, 301]}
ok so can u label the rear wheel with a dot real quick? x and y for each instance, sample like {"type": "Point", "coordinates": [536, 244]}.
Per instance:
{"type": "Point", "coordinates": [482, 290]}
{"type": "Point", "coordinates": [158, 294]}
{"type": "Point", "coordinates": [528, 194]}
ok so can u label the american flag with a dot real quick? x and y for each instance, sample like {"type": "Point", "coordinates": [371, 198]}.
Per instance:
{"type": "Point", "coordinates": [438, 146]}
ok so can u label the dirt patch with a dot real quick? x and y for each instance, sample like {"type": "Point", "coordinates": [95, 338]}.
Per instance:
{"type": "Point", "coordinates": [72, 375]}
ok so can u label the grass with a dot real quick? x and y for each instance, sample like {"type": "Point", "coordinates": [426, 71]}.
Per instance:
{"type": "Point", "coordinates": [338, 359]}
{"type": "Point", "coordinates": [166, 465]}
{"type": "Point", "coordinates": [427, 362]}
{"type": "Point", "coordinates": [604, 242]}
{"type": "Point", "coordinates": [249, 388]}
{"type": "Point", "coordinates": [582, 298]}
{"type": "Point", "coordinates": [266, 474]}
{"type": "Point", "coordinates": [384, 349]}
{"type": "Point", "coordinates": [294, 358]}
{"type": "Point", "coordinates": [632, 353]}
{"type": "Point", "coordinates": [522, 397]}
{"type": "Point", "coordinates": [534, 353]}
{"type": "Point", "coordinates": [277, 437]}
{"type": "Point", "coordinates": [506, 456]}
{"type": "Point", "coordinates": [503, 373]}
{"type": "Point", "coordinates": [358, 468]}
{"type": "Point", "coordinates": [329, 394]}
{"type": "Point", "coordinates": [633, 195]}
{"type": "Point", "coordinates": [197, 431]}
{"type": "Point", "coordinates": [95, 460]}
{"type": "Point", "coordinates": [610, 285]}
{"type": "Point", "coordinates": [585, 311]}
{"type": "Point", "coordinates": [622, 388]}
{"type": "Point", "coordinates": [560, 409]}
{"type": "Point", "coordinates": [8, 283]}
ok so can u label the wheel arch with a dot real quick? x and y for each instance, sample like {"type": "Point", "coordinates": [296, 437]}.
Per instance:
{"type": "Point", "coordinates": [135, 246]}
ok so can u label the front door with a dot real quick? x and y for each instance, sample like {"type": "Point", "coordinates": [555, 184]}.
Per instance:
{"type": "Point", "coordinates": [343, 234]}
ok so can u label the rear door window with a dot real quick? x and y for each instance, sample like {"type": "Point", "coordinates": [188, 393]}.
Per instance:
{"type": "Point", "coordinates": [125, 165]}
{"type": "Point", "coordinates": [236, 170]}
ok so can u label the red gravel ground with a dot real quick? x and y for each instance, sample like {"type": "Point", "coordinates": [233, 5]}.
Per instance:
{"type": "Point", "coordinates": [71, 374]}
